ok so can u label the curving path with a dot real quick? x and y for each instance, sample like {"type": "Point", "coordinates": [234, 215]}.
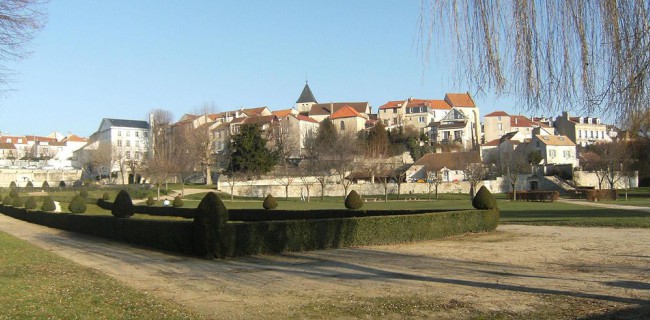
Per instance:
{"type": "Point", "coordinates": [517, 269]}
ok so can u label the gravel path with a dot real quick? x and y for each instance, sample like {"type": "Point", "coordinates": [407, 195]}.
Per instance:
{"type": "Point", "coordinates": [515, 270]}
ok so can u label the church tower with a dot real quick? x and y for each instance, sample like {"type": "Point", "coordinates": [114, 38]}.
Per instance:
{"type": "Point", "coordinates": [306, 99]}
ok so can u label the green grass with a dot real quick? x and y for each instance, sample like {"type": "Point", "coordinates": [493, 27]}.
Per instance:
{"type": "Point", "coordinates": [36, 284]}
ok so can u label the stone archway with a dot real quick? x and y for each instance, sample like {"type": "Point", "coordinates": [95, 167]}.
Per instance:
{"type": "Point", "coordinates": [534, 185]}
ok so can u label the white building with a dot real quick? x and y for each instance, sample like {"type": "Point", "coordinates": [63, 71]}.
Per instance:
{"type": "Point", "coordinates": [582, 130]}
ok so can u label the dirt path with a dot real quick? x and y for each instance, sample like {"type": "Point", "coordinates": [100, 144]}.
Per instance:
{"type": "Point", "coordinates": [519, 270]}
{"type": "Point", "coordinates": [583, 202]}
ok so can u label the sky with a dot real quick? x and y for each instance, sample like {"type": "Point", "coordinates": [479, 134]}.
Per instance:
{"type": "Point", "coordinates": [122, 59]}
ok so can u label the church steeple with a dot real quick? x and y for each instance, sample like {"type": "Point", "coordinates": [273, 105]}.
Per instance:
{"type": "Point", "coordinates": [306, 96]}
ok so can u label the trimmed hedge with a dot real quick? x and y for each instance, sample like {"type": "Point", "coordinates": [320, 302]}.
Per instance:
{"type": "Point", "coordinates": [484, 200]}
{"type": "Point", "coordinates": [31, 203]}
{"type": "Point", "coordinates": [269, 203]}
{"type": "Point", "coordinates": [48, 204]}
{"type": "Point", "coordinates": [601, 194]}
{"type": "Point", "coordinates": [535, 196]}
{"type": "Point", "coordinates": [353, 201]}
{"type": "Point", "coordinates": [178, 202]}
{"type": "Point", "coordinates": [168, 235]}
{"type": "Point", "coordinates": [246, 238]}
{"type": "Point", "coordinates": [77, 204]}
{"type": "Point", "coordinates": [123, 206]}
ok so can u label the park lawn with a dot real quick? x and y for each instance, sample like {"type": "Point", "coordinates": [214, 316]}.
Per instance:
{"type": "Point", "coordinates": [36, 284]}
{"type": "Point", "coordinates": [566, 214]}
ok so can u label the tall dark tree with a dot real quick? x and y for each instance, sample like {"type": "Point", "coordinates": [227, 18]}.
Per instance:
{"type": "Point", "coordinates": [377, 143]}
{"type": "Point", "coordinates": [249, 152]}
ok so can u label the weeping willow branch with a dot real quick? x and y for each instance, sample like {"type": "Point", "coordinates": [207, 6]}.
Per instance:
{"type": "Point", "coordinates": [585, 56]}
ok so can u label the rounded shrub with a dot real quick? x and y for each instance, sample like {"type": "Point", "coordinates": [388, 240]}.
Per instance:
{"type": "Point", "coordinates": [178, 202]}
{"type": "Point", "coordinates": [83, 192]}
{"type": "Point", "coordinates": [48, 205]}
{"type": "Point", "coordinates": [78, 204]}
{"type": "Point", "coordinates": [269, 203]}
{"type": "Point", "coordinates": [45, 185]}
{"type": "Point", "coordinates": [18, 202]}
{"type": "Point", "coordinates": [122, 206]}
{"type": "Point", "coordinates": [208, 230]}
{"type": "Point", "coordinates": [13, 193]}
{"type": "Point", "coordinates": [31, 203]}
{"type": "Point", "coordinates": [150, 201]}
{"type": "Point", "coordinates": [105, 196]}
{"type": "Point", "coordinates": [353, 201]}
{"type": "Point", "coordinates": [484, 199]}
{"type": "Point", "coordinates": [61, 184]}
{"type": "Point", "coordinates": [7, 201]}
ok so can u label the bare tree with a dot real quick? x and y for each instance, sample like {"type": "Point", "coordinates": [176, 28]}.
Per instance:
{"type": "Point", "coordinates": [306, 181]}
{"type": "Point", "coordinates": [434, 179]}
{"type": "Point", "coordinates": [473, 169]}
{"type": "Point", "coordinates": [19, 22]}
{"type": "Point", "coordinates": [511, 164]}
{"type": "Point", "coordinates": [342, 157]}
{"type": "Point", "coordinates": [551, 53]}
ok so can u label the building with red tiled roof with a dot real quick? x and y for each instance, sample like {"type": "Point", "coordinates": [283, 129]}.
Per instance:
{"type": "Point", "coordinates": [449, 165]}
{"type": "Point", "coordinates": [461, 100]}
{"type": "Point", "coordinates": [322, 111]}
{"type": "Point", "coordinates": [348, 121]}
{"type": "Point", "coordinates": [498, 123]}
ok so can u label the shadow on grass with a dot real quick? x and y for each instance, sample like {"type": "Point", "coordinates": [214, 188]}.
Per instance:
{"type": "Point", "coordinates": [638, 312]}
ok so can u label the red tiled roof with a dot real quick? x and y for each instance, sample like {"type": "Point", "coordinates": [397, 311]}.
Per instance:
{"type": "Point", "coordinates": [392, 104]}
{"type": "Point", "coordinates": [75, 138]}
{"type": "Point", "coordinates": [261, 119]}
{"type": "Point", "coordinates": [305, 118]}
{"type": "Point", "coordinates": [13, 139]}
{"type": "Point", "coordinates": [254, 111]}
{"type": "Point", "coordinates": [345, 112]}
{"type": "Point", "coordinates": [520, 121]}
{"type": "Point", "coordinates": [460, 100]}
{"type": "Point", "coordinates": [433, 104]}
{"type": "Point", "coordinates": [496, 114]}
{"type": "Point", "coordinates": [38, 138]}
{"type": "Point", "coordinates": [7, 146]}
{"type": "Point", "coordinates": [492, 143]}
{"type": "Point", "coordinates": [330, 108]}
{"type": "Point", "coordinates": [282, 113]}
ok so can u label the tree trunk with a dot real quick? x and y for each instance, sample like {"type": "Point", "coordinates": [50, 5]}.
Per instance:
{"type": "Point", "coordinates": [286, 192]}
{"type": "Point", "coordinates": [386, 192]}
{"type": "Point", "coordinates": [322, 190]}
{"type": "Point", "coordinates": [208, 176]}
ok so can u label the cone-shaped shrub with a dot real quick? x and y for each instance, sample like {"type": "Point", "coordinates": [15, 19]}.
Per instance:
{"type": "Point", "coordinates": [105, 196]}
{"type": "Point", "coordinates": [13, 193]}
{"type": "Point", "coordinates": [48, 205]}
{"type": "Point", "coordinates": [83, 193]}
{"type": "Point", "coordinates": [31, 203]}
{"type": "Point", "coordinates": [45, 185]}
{"type": "Point", "coordinates": [13, 185]}
{"type": "Point", "coordinates": [178, 202]}
{"type": "Point", "coordinates": [269, 203]}
{"type": "Point", "coordinates": [208, 232]}
{"type": "Point", "coordinates": [150, 201]}
{"type": "Point", "coordinates": [484, 199]}
{"type": "Point", "coordinates": [18, 202]}
{"type": "Point", "coordinates": [30, 185]}
{"type": "Point", "coordinates": [61, 184]}
{"type": "Point", "coordinates": [353, 201]}
{"type": "Point", "coordinates": [122, 206]}
{"type": "Point", "coordinates": [7, 201]}
{"type": "Point", "coordinates": [78, 204]}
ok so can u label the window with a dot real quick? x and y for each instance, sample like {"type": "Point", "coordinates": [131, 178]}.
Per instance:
{"type": "Point", "coordinates": [128, 133]}
{"type": "Point", "coordinates": [119, 133]}
{"type": "Point", "coordinates": [128, 143]}
{"type": "Point", "coordinates": [551, 153]}
{"type": "Point", "coordinates": [499, 118]}
{"type": "Point", "coordinates": [137, 155]}
{"type": "Point", "coordinates": [421, 119]}
{"type": "Point", "coordinates": [579, 133]}
{"type": "Point", "coordinates": [592, 133]}
{"type": "Point", "coordinates": [119, 143]}
{"type": "Point", "coordinates": [342, 125]}
{"type": "Point", "coordinates": [137, 133]}
{"type": "Point", "coordinates": [500, 127]}
{"type": "Point", "coordinates": [567, 154]}
{"type": "Point", "coordinates": [128, 154]}
{"type": "Point", "coordinates": [137, 143]}
{"type": "Point", "coordinates": [394, 110]}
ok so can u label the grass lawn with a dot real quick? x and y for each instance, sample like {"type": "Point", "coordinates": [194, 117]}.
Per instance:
{"type": "Point", "coordinates": [36, 284]}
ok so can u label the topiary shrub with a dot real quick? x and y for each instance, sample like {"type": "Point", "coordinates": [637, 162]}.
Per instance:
{"type": "Point", "coordinates": [45, 185]}
{"type": "Point", "coordinates": [17, 202]}
{"type": "Point", "coordinates": [105, 196]}
{"type": "Point", "coordinates": [269, 203]}
{"type": "Point", "coordinates": [353, 201]}
{"type": "Point", "coordinates": [29, 186]}
{"type": "Point", "coordinates": [208, 230]}
{"type": "Point", "coordinates": [150, 201]}
{"type": "Point", "coordinates": [31, 203]}
{"type": "Point", "coordinates": [484, 200]}
{"type": "Point", "coordinates": [13, 185]}
{"type": "Point", "coordinates": [7, 201]}
{"type": "Point", "coordinates": [78, 204]}
{"type": "Point", "coordinates": [48, 205]}
{"type": "Point", "coordinates": [83, 192]}
{"type": "Point", "coordinates": [61, 184]}
{"type": "Point", "coordinates": [13, 193]}
{"type": "Point", "coordinates": [178, 202]}
{"type": "Point", "coordinates": [122, 206]}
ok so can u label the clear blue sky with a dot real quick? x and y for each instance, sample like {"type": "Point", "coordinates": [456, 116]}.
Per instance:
{"type": "Point", "coordinates": [121, 59]}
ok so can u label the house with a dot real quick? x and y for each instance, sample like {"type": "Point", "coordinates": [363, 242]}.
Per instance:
{"type": "Point", "coordinates": [416, 112]}
{"type": "Point", "coordinates": [450, 165]}
{"type": "Point", "coordinates": [498, 123]}
{"type": "Point", "coordinates": [555, 150]}
{"type": "Point", "coordinates": [460, 125]}
{"type": "Point", "coordinates": [23, 149]}
{"type": "Point", "coordinates": [492, 150]}
{"type": "Point", "coordinates": [115, 142]}
{"type": "Point", "coordinates": [296, 130]}
{"type": "Point", "coordinates": [348, 121]}
{"type": "Point", "coordinates": [582, 130]}
{"type": "Point", "coordinates": [7, 151]}
{"type": "Point", "coordinates": [322, 111]}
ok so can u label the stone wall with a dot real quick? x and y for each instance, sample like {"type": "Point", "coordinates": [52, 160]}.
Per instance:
{"type": "Point", "coordinates": [37, 177]}
{"type": "Point", "coordinates": [584, 178]}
